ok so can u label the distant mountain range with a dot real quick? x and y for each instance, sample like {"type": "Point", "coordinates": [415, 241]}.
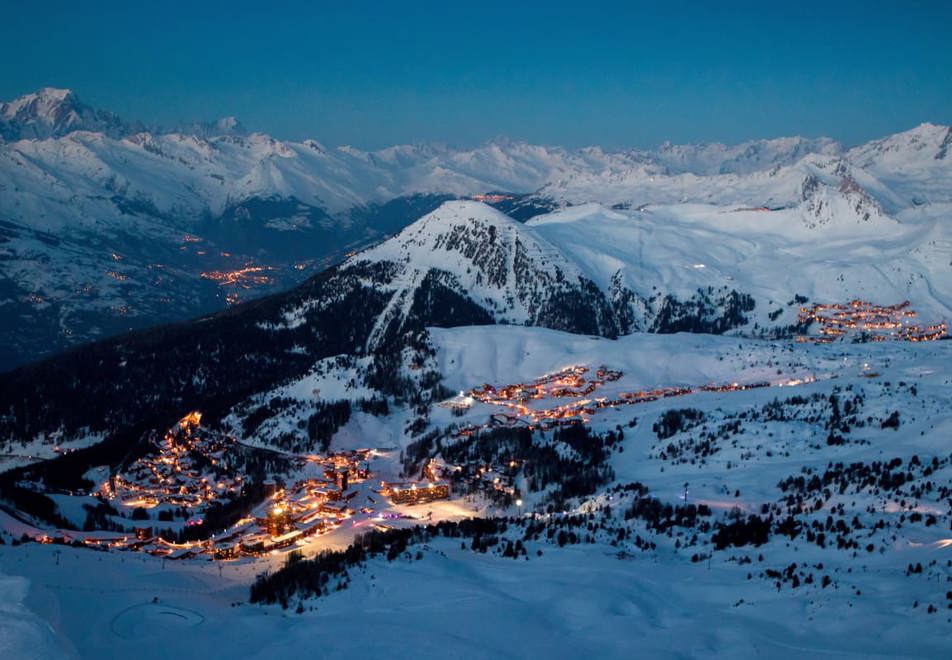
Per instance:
{"type": "Point", "coordinates": [107, 224]}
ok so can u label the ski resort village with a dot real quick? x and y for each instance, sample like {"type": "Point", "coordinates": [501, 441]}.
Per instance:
{"type": "Point", "coordinates": [796, 475]}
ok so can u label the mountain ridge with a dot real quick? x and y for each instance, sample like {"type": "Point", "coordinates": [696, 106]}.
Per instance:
{"type": "Point", "coordinates": [124, 227]}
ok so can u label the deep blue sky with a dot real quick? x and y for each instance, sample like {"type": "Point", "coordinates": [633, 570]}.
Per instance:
{"type": "Point", "coordinates": [610, 73]}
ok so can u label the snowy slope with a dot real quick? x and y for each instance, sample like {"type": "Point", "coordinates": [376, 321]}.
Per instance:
{"type": "Point", "coordinates": [836, 245]}
{"type": "Point", "coordinates": [22, 633]}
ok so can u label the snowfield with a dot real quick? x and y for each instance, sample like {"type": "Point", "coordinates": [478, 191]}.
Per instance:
{"type": "Point", "coordinates": [22, 633]}
{"type": "Point", "coordinates": [567, 603]}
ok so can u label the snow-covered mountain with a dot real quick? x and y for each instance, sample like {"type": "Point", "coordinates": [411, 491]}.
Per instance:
{"type": "Point", "coordinates": [107, 225]}
{"type": "Point", "coordinates": [585, 270]}
{"type": "Point", "coordinates": [472, 251]}
{"type": "Point", "coordinates": [706, 268]}
{"type": "Point", "coordinates": [53, 113]}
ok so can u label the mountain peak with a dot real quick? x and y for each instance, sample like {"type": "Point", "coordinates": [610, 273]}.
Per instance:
{"type": "Point", "coordinates": [37, 104]}
{"type": "Point", "coordinates": [918, 146]}
{"type": "Point", "coordinates": [462, 210]}
{"type": "Point", "coordinates": [223, 126]}
{"type": "Point", "coordinates": [52, 93]}
{"type": "Point", "coordinates": [419, 241]}
{"type": "Point", "coordinates": [840, 203]}
{"type": "Point", "coordinates": [52, 112]}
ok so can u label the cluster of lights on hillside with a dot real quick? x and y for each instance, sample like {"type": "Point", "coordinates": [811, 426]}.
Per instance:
{"type": "Point", "coordinates": [860, 317]}
{"type": "Point", "coordinates": [186, 470]}
{"type": "Point", "coordinates": [238, 280]}
{"type": "Point", "coordinates": [187, 473]}
{"type": "Point", "coordinates": [521, 400]}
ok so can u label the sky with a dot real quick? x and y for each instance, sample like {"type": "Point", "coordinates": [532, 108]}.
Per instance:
{"type": "Point", "coordinates": [615, 74]}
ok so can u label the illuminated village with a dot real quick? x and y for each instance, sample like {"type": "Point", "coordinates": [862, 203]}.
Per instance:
{"type": "Point", "coordinates": [243, 277]}
{"type": "Point", "coordinates": [238, 280]}
{"type": "Point", "coordinates": [188, 473]}
{"type": "Point", "coordinates": [861, 318]}
{"type": "Point", "coordinates": [521, 400]}
{"type": "Point", "coordinates": [176, 474]}
{"type": "Point", "coordinates": [234, 280]}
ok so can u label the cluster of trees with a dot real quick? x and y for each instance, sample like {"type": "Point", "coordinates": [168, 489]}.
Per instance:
{"type": "Point", "coordinates": [99, 517]}
{"type": "Point", "coordinates": [420, 450]}
{"type": "Point", "coordinates": [696, 449]}
{"type": "Point", "coordinates": [35, 504]}
{"type": "Point", "coordinates": [257, 464]}
{"type": "Point", "coordinates": [808, 494]}
{"type": "Point", "coordinates": [253, 420]}
{"type": "Point", "coordinates": [317, 421]}
{"type": "Point", "coordinates": [438, 303]}
{"type": "Point", "coordinates": [313, 430]}
{"type": "Point", "coordinates": [574, 473]}
{"type": "Point", "coordinates": [838, 413]}
{"type": "Point", "coordinates": [582, 310]}
{"type": "Point", "coordinates": [891, 422]}
{"type": "Point", "coordinates": [752, 530]}
{"type": "Point", "coordinates": [892, 477]}
{"type": "Point", "coordinates": [402, 367]}
{"type": "Point", "coordinates": [840, 422]}
{"type": "Point", "coordinates": [795, 575]}
{"type": "Point", "coordinates": [661, 517]}
{"type": "Point", "coordinates": [708, 311]}
{"type": "Point", "coordinates": [376, 406]}
{"type": "Point", "coordinates": [677, 420]}
{"type": "Point", "coordinates": [324, 422]}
